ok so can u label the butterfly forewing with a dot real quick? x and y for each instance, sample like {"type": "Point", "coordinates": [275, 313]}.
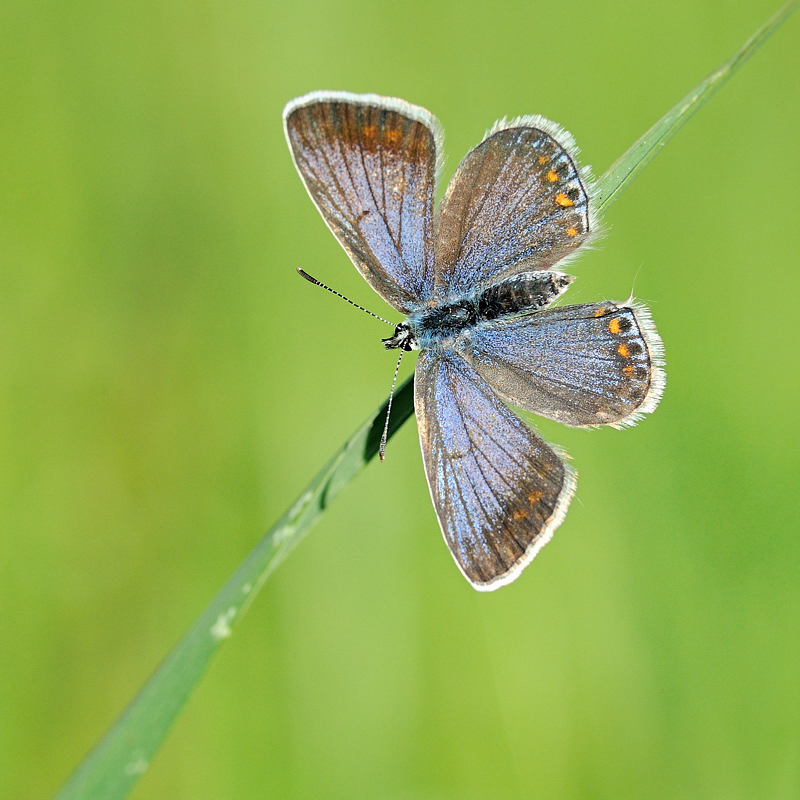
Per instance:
{"type": "Point", "coordinates": [369, 164]}
{"type": "Point", "coordinates": [498, 489]}
{"type": "Point", "coordinates": [516, 202]}
{"type": "Point", "coordinates": [595, 364]}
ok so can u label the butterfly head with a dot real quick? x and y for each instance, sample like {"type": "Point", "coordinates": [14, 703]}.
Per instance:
{"type": "Point", "coordinates": [403, 339]}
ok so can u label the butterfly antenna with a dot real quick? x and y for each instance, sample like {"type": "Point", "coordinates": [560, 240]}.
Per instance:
{"type": "Point", "coordinates": [385, 434]}
{"type": "Point", "coordinates": [333, 291]}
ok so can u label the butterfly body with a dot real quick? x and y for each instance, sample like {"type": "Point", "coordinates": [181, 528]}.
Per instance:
{"type": "Point", "coordinates": [475, 280]}
{"type": "Point", "coordinates": [451, 321]}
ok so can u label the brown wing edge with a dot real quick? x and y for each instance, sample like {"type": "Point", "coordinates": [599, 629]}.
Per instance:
{"type": "Point", "coordinates": [566, 141]}
{"type": "Point", "coordinates": [416, 113]}
{"type": "Point", "coordinates": [546, 534]}
{"type": "Point", "coordinates": [658, 375]}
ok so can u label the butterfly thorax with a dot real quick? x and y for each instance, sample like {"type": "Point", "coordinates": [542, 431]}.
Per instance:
{"type": "Point", "coordinates": [440, 324]}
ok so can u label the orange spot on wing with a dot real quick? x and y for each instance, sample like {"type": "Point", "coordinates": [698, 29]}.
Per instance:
{"type": "Point", "coordinates": [563, 201]}
{"type": "Point", "coordinates": [572, 231]}
{"type": "Point", "coordinates": [628, 371]}
{"type": "Point", "coordinates": [519, 514]}
{"type": "Point", "coordinates": [393, 137]}
{"type": "Point", "coordinates": [534, 497]}
{"type": "Point", "coordinates": [369, 133]}
{"type": "Point", "coordinates": [623, 350]}
{"type": "Point", "coordinates": [613, 326]}
{"type": "Point", "coordinates": [552, 176]}
{"type": "Point", "coordinates": [600, 312]}
{"type": "Point", "coordinates": [542, 159]}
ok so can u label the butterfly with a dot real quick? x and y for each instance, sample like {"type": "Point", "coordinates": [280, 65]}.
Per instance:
{"type": "Point", "coordinates": [475, 278]}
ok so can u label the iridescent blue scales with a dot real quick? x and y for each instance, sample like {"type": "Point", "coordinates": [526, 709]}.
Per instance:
{"type": "Point", "coordinates": [475, 279]}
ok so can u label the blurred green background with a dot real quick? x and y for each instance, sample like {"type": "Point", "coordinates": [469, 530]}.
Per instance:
{"type": "Point", "coordinates": [168, 385]}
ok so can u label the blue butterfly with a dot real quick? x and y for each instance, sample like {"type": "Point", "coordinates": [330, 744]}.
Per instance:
{"type": "Point", "coordinates": [474, 278]}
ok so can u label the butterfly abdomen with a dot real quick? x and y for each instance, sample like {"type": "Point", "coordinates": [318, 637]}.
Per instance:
{"type": "Point", "coordinates": [441, 324]}
{"type": "Point", "coordinates": [521, 294]}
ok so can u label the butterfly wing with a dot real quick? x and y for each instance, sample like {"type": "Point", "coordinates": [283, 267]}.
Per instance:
{"type": "Point", "coordinates": [517, 202]}
{"type": "Point", "coordinates": [498, 489]}
{"type": "Point", "coordinates": [595, 364]}
{"type": "Point", "coordinates": [369, 164]}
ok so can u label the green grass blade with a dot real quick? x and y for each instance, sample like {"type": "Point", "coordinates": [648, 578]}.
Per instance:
{"type": "Point", "coordinates": [636, 158]}
{"type": "Point", "coordinates": [111, 769]}
{"type": "Point", "coordinates": [125, 752]}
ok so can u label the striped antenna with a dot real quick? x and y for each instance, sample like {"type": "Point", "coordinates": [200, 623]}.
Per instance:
{"type": "Point", "coordinates": [304, 274]}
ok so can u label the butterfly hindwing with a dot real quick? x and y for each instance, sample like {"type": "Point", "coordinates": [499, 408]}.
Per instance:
{"type": "Point", "coordinates": [498, 489]}
{"type": "Point", "coordinates": [517, 202]}
{"type": "Point", "coordinates": [369, 164]}
{"type": "Point", "coordinates": [595, 364]}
